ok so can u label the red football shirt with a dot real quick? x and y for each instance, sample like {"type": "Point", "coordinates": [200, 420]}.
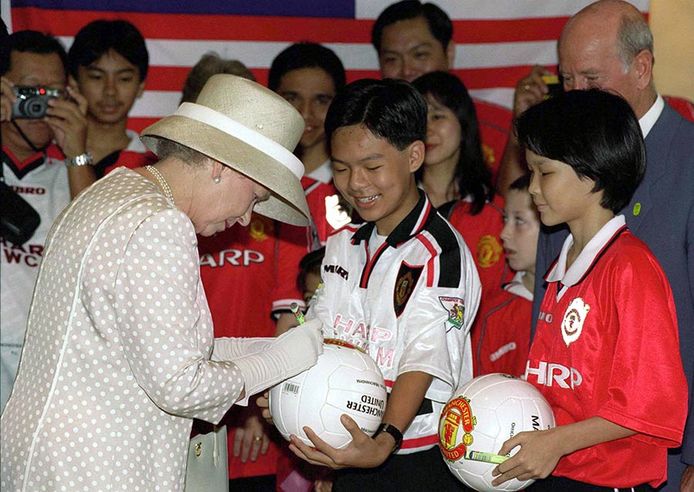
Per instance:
{"type": "Point", "coordinates": [501, 334]}
{"type": "Point", "coordinates": [607, 345]}
{"type": "Point", "coordinates": [238, 268]}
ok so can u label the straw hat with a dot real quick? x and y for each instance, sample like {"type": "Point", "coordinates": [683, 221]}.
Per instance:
{"type": "Point", "coordinates": [249, 128]}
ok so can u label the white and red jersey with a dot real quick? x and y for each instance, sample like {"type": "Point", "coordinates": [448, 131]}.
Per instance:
{"type": "Point", "coordinates": [42, 181]}
{"type": "Point", "coordinates": [134, 155]}
{"type": "Point", "coordinates": [501, 332]}
{"type": "Point", "coordinates": [295, 242]}
{"type": "Point", "coordinates": [408, 300]}
{"type": "Point", "coordinates": [238, 269]}
{"type": "Point", "coordinates": [607, 345]}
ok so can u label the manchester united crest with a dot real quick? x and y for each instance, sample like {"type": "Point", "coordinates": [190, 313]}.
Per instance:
{"type": "Point", "coordinates": [488, 251]}
{"type": "Point", "coordinates": [404, 285]}
{"type": "Point", "coordinates": [574, 317]}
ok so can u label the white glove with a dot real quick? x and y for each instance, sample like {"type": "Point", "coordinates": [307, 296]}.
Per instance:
{"type": "Point", "coordinates": [290, 353]}
{"type": "Point", "coordinates": [229, 349]}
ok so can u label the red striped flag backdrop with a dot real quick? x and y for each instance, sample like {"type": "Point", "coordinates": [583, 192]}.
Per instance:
{"type": "Point", "coordinates": [497, 41]}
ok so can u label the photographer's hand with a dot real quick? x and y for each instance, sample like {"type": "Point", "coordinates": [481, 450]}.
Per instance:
{"type": "Point", "coordinates": [7, 98]}
{"type": "Point", "coordinates": [67, 118]}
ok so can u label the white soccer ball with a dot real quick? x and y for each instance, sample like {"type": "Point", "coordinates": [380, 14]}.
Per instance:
{"type": "Point", "coordinates": [480, 417]}
{"type": "Point", "coordinates": [344, 380]}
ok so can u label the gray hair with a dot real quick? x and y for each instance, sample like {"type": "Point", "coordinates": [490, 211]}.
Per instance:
{"type": "Point", "coordinates": [211, 64]}
{"type": "Point", "coordinates": [169, 148]}
{"type": "Point", "coordinates": [633, 37]}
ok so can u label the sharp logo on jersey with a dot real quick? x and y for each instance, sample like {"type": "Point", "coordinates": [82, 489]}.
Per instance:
{"type": "Point", "coordinates": [336, 269]}
{"type": "Point", "coordinates": [456, 416]}
{"type": "Point", "coordinates": [29, 254]}
{"type": "Point", "coordinates": [550, 374]}
{"type": "Point", "coordinates": [404, 285]}
{"type": "Point", "coordinates": [456, 310]}
{"type": "Point", "coordinates": [235, 257]}
{"type": "Point", "coordinates": [257, 230]}
{"type": "Point", "coordinates": [488, 251]}
{"type": "Point", "coordinates": [574, 317]}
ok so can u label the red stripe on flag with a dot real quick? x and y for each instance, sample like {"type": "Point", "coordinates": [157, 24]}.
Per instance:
{"type": "Point", "coordinates": [162, 78]}
{"type": "Point", "coordinates": [138, 124]}
{"type": "Point", "coordinates": [274, 28]}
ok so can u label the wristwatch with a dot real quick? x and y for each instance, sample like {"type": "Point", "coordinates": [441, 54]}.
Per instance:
{"type": "Point", "coordinates": [393, 431]}
{"type": "Point", "coordinates": [85, 159]}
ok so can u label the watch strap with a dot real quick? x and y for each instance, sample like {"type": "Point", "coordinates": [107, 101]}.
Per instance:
{"type": "Point", "coordinates": [393, 431]}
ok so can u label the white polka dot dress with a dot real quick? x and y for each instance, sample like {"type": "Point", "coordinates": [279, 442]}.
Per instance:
{"type": "Point", "coordinates": [116, 360]}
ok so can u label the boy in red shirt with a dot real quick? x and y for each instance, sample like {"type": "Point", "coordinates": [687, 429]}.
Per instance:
{"type": "Point", "coordinates": [501, 333]}
{"type": "Point", "coordinates": [606, 351]}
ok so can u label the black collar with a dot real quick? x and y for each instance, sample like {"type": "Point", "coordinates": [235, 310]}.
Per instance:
{"type": "Point", "coordinates": [410, 226]}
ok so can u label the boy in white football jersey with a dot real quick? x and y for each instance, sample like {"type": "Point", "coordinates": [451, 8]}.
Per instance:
{"type": "Point", "coordinates": [402, 286]}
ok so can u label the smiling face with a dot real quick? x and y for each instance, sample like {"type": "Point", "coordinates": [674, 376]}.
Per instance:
{"type": "Point", "coordinates": [443, 134]}
{"type": "Point", "coordinates": [408, 50]}
{"type": "Point", "coordinates": [32, 69]}
{"type": "Point", "coordinates": [310, 91]}
{"type": "Point", "coordinates": [219, 206]}
{"type": "Point", "coordinates": [521, 230]}
{"type": "Point", "coordinates": [559, 194]}
{"type": "Point", "coordinates": [110, 84]}
{"type": "Point", "coordinates": [375, 177]}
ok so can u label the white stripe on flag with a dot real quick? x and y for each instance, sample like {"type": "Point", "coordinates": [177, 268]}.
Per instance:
{"type": "Point", "coordinates": [495, 9]}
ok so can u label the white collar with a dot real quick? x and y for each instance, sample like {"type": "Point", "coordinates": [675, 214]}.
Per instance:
{"type": "Point", "coordinates": [586, 258]}
{"type": "Point", "coordinates": [135, 144]}
{"type": "Point", "coordinates": [518, 288]}
{"type": "Point", "coordinates": [648, 120]}
{"type": "Point", "coordinates": [322, 173]}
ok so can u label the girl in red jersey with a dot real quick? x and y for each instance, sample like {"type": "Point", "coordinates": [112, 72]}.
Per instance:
{"type": "Point", "coordinates": [606, 352]}
{"type": "Point", "coordinates": [456, 178]}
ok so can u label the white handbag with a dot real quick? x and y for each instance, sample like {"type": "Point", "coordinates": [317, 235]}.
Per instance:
{"type": "Point", "coordinates": [207, 468]}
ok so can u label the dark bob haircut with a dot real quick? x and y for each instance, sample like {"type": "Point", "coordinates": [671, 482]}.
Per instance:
{"type": "Point", "coordinates": [306, 55]}
{"type": "Point", "coordinates": [390, 109]}
{"type": "Point", "coordinates": [594, 132]}
{"type": "Point", "coordinates": [471, 173]}
{"type": "Point", "coordinates": [29, 42]}
{"type": "Point", "coordinates": [438, 21]}
{"type": "Point", "coordinates": [100, 36]}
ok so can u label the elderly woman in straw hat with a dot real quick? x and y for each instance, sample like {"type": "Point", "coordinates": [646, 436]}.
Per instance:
{"type": "Point", "coordinates": [119, 353]}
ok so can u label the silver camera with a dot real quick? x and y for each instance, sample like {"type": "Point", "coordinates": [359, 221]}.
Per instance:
{"type": "Point", "coordinates": [32, 101]}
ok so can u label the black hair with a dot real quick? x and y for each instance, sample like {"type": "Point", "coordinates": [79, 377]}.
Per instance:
{"type": "Point", "coordinates": [594, 132]}
{"type": "Point", "coordinates": [471, 174]}
{"type": "Point", "coordinates": [390, 109]}
{"type": "Point", "coordinates": [100, 36]}
{"type": "Point", "coordinates": [306, 55]}
{"type": "Point", "coordinates": [438, 21]}
{"type": "Point", "coordinates": [310, 263]}
{"type": "Point", "coordinates": [29, 42]}
{"type": "Point", "coordinates": [521, 184]}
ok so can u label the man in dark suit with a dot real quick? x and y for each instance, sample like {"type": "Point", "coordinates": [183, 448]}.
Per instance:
{"type": "Point", "coordinates": [609, 45]}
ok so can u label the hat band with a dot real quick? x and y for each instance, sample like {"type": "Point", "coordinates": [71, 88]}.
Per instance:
{"type": "Point", "coordinates": [263, 144]}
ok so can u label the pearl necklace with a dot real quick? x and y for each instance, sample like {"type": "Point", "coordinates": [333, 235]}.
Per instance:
{"type": "Point", "coordinates": [162, 182]}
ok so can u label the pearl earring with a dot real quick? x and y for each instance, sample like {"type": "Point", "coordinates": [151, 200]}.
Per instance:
{"type": "Point", "coordinates": [217, 179]}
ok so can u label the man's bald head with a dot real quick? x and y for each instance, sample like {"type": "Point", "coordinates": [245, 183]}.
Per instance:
{"type": "Point", "coordinates": [609, 45]}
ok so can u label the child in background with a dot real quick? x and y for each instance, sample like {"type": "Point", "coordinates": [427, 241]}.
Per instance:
{"type": "Point", "coordinates": [501, 334]}
{"type": "Point", "coordinates": [606, 352]}
{"type": "Point", "coordinates": [407, 275]}
{"type": "Point", "coordinates": [307, 75]}
{"type": "Point", "coordinates": [456, 178]}
{"type": "Point", "coordinates": [108, 63]}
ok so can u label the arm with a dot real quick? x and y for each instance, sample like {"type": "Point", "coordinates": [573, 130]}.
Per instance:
{"type": "Point", "coordinates": [540, 450]}
{"type": "Point", "coordinates": [366, 452]}
{"type": "Point", "coordinates": [67, 119]}
{"type": "Point", "coordinates": [530, 90]}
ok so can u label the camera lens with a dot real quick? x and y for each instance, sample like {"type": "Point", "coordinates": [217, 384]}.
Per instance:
{"type": "Point", "coordinates": [34, 107]}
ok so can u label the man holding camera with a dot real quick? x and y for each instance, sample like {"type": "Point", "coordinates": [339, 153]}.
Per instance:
{"type": "Point", "coordinates": [44, 132]}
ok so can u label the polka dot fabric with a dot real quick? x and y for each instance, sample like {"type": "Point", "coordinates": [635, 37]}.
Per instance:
{"type": "Point", "coordinates": [116, 360]}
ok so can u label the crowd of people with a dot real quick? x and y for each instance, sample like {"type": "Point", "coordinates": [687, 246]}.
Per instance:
{"type": "Point", "coordinates": [153, 298]}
